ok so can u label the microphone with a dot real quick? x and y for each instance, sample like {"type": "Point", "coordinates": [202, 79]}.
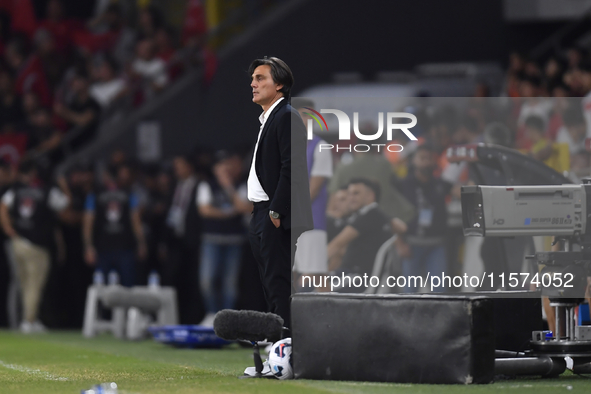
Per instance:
{"type": "Point", "coordinates": [252, 326]}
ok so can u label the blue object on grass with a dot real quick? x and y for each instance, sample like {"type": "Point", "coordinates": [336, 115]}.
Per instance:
{"type": "Point", "coordinates": [187, 336]}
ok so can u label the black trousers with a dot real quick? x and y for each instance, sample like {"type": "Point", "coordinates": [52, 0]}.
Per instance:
{"type": "Point", "coordinates": [182, 272]}
{"type": "Point", "coordinates": [273, 250]}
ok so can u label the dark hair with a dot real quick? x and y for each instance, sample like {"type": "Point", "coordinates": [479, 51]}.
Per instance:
{"type": "Point", "coordinates": [280, 72]}
{"type": "Point", "coordinates": [535, 122]}
{"type": "Point", "coordinates": [373, 186]}
{"type": "Point", "coordinates": [497, 133]}
{"type": "Point", "coordinates": [298, 103]}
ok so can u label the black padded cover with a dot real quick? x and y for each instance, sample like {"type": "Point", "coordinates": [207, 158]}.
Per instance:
{"type": "Point", "coordinates": [393, 338]}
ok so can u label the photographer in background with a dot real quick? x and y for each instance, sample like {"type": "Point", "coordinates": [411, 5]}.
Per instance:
{"type": "Point", "coordinates": [423, 246]}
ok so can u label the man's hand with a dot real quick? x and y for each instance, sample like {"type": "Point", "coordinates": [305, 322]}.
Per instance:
{"type": "Point", "coordinates": [90, 256]}
{"type": "Point", "coordinates": [276, 222]}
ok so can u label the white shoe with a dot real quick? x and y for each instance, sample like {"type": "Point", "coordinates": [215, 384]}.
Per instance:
{"type": "Point", "coordinates": [251, 371]}
{"type": "Point", "coordinates": [39, 328]}
{"type": "Point", "coordinates": [208, 320]}
{"type": "Point", "coordinates": [27, 328]}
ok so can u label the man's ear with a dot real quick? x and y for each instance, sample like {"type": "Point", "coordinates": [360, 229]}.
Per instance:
{"type": "Point", "coordinates": [278, 88]}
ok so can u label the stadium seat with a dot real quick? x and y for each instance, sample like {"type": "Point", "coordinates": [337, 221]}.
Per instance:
{"type": "Point", "coordinates": [160, 301]}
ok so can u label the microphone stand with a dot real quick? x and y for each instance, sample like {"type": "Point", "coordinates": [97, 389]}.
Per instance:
{"type": "Point", "coordinates": [258, 363]}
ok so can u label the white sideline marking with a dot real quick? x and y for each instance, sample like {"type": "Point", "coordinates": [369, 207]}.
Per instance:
{"type": "Point", "coordinates": [34, 372]}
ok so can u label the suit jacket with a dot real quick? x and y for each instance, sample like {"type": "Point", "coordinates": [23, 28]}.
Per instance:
{"type": "Point", "coordinates": [281, 167]}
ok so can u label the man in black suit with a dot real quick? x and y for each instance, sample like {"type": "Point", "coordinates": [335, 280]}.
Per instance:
{"type": "Point", "coordinates": [277, 182]}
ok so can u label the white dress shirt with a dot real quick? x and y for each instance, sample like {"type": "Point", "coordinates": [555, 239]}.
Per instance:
{"type": "Point", "coordinates": [255, 190]}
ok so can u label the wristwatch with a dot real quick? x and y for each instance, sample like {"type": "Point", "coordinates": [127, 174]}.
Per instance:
{"type": "Point", "coordinates": [274, 215]}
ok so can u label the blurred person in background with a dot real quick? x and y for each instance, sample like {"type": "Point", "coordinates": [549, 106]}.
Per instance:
{"type": "Point", "coordinates": [497, 133]}
{"type": "Point", "coordinates": [575, 56]}
{"type": "Point", "coordinates": [28, 69]}
{"type": "Point", "coordinates": [43, 140]}
{"type": "Point", "coordinates": [514, 74]}
{"type": "Point", "coordinates": [8, 280]}
{"type": "Point", "coordinates": [585, 81]}
{"type": "Point", "coordinates": [457, 174]}
{"type": "Point", "coordinates": [535, 130]}
{"type": "Point", "coordinates": [108, 87]}
{"type": "Point", "coordinates": [11, 110]}
{"type": "Point", "coordinates": [354, 249]}
{"type": "Point", "coordinates": [27, 215]}
{"type": "Point", "coordinates": [466, 133]}
{"type": "Point", "coordinates": [222, 201]}
{"type": "Point", "coordinates": [374, 164]}
{"type": "Point", "coordinates": [75, 275]}
{"type": "Point", "coordinates": [337, 214]}
{"type": "Point", "coordinates": [81, 111]}
{"type": "Point", "coordinates": [150, 19]}
{"type": "Point", "coordinates": [158, 184]}
{"type": "Point", "coordinates": [553, 71]}
{"type": "Point", "coordinates": [443, 124]}
{"type": "Point", "coordinates": [112, 228]}
{"type": "Point", "coordinates": [534, 104]}
{"type": "Point", "coordinates": [61, 28]}
{"type": "Point", "coordinates": [561, 102]}
{"type": "Point", "coordinates": [54, 64]}
{"type": "Point", "coordinates": [30, 103]}
{"type": "Point", "coordinates": [109, 33]}
{"type": "Point", "coordinates": [423, 246]}
{"type": "Point", "coordinates": [13, 144]}
{"type": "Point", "coordinates": [167, 51]}
{"type": "Point", "coordinates": [311, 256]}
{"type": "Point", "coordinates": [184, 223]}
{"type": "Point", "coordinates": [574, 130]}
{"type": "Point", "coordinates": [580, 166]}
{"type": "Point", "coordinates": [149, 70]}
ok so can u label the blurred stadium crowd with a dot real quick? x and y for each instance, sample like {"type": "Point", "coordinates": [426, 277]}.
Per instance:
{"type": "Point", "coordinates": [61, 74]}
{"type": "Point", "coordinates": [64, 68]}
{"type": "Point", "coordinates": [187, 218]}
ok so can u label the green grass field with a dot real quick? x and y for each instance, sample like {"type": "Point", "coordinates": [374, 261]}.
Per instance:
{"type": "Point", "coordinates": [64, 362]}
